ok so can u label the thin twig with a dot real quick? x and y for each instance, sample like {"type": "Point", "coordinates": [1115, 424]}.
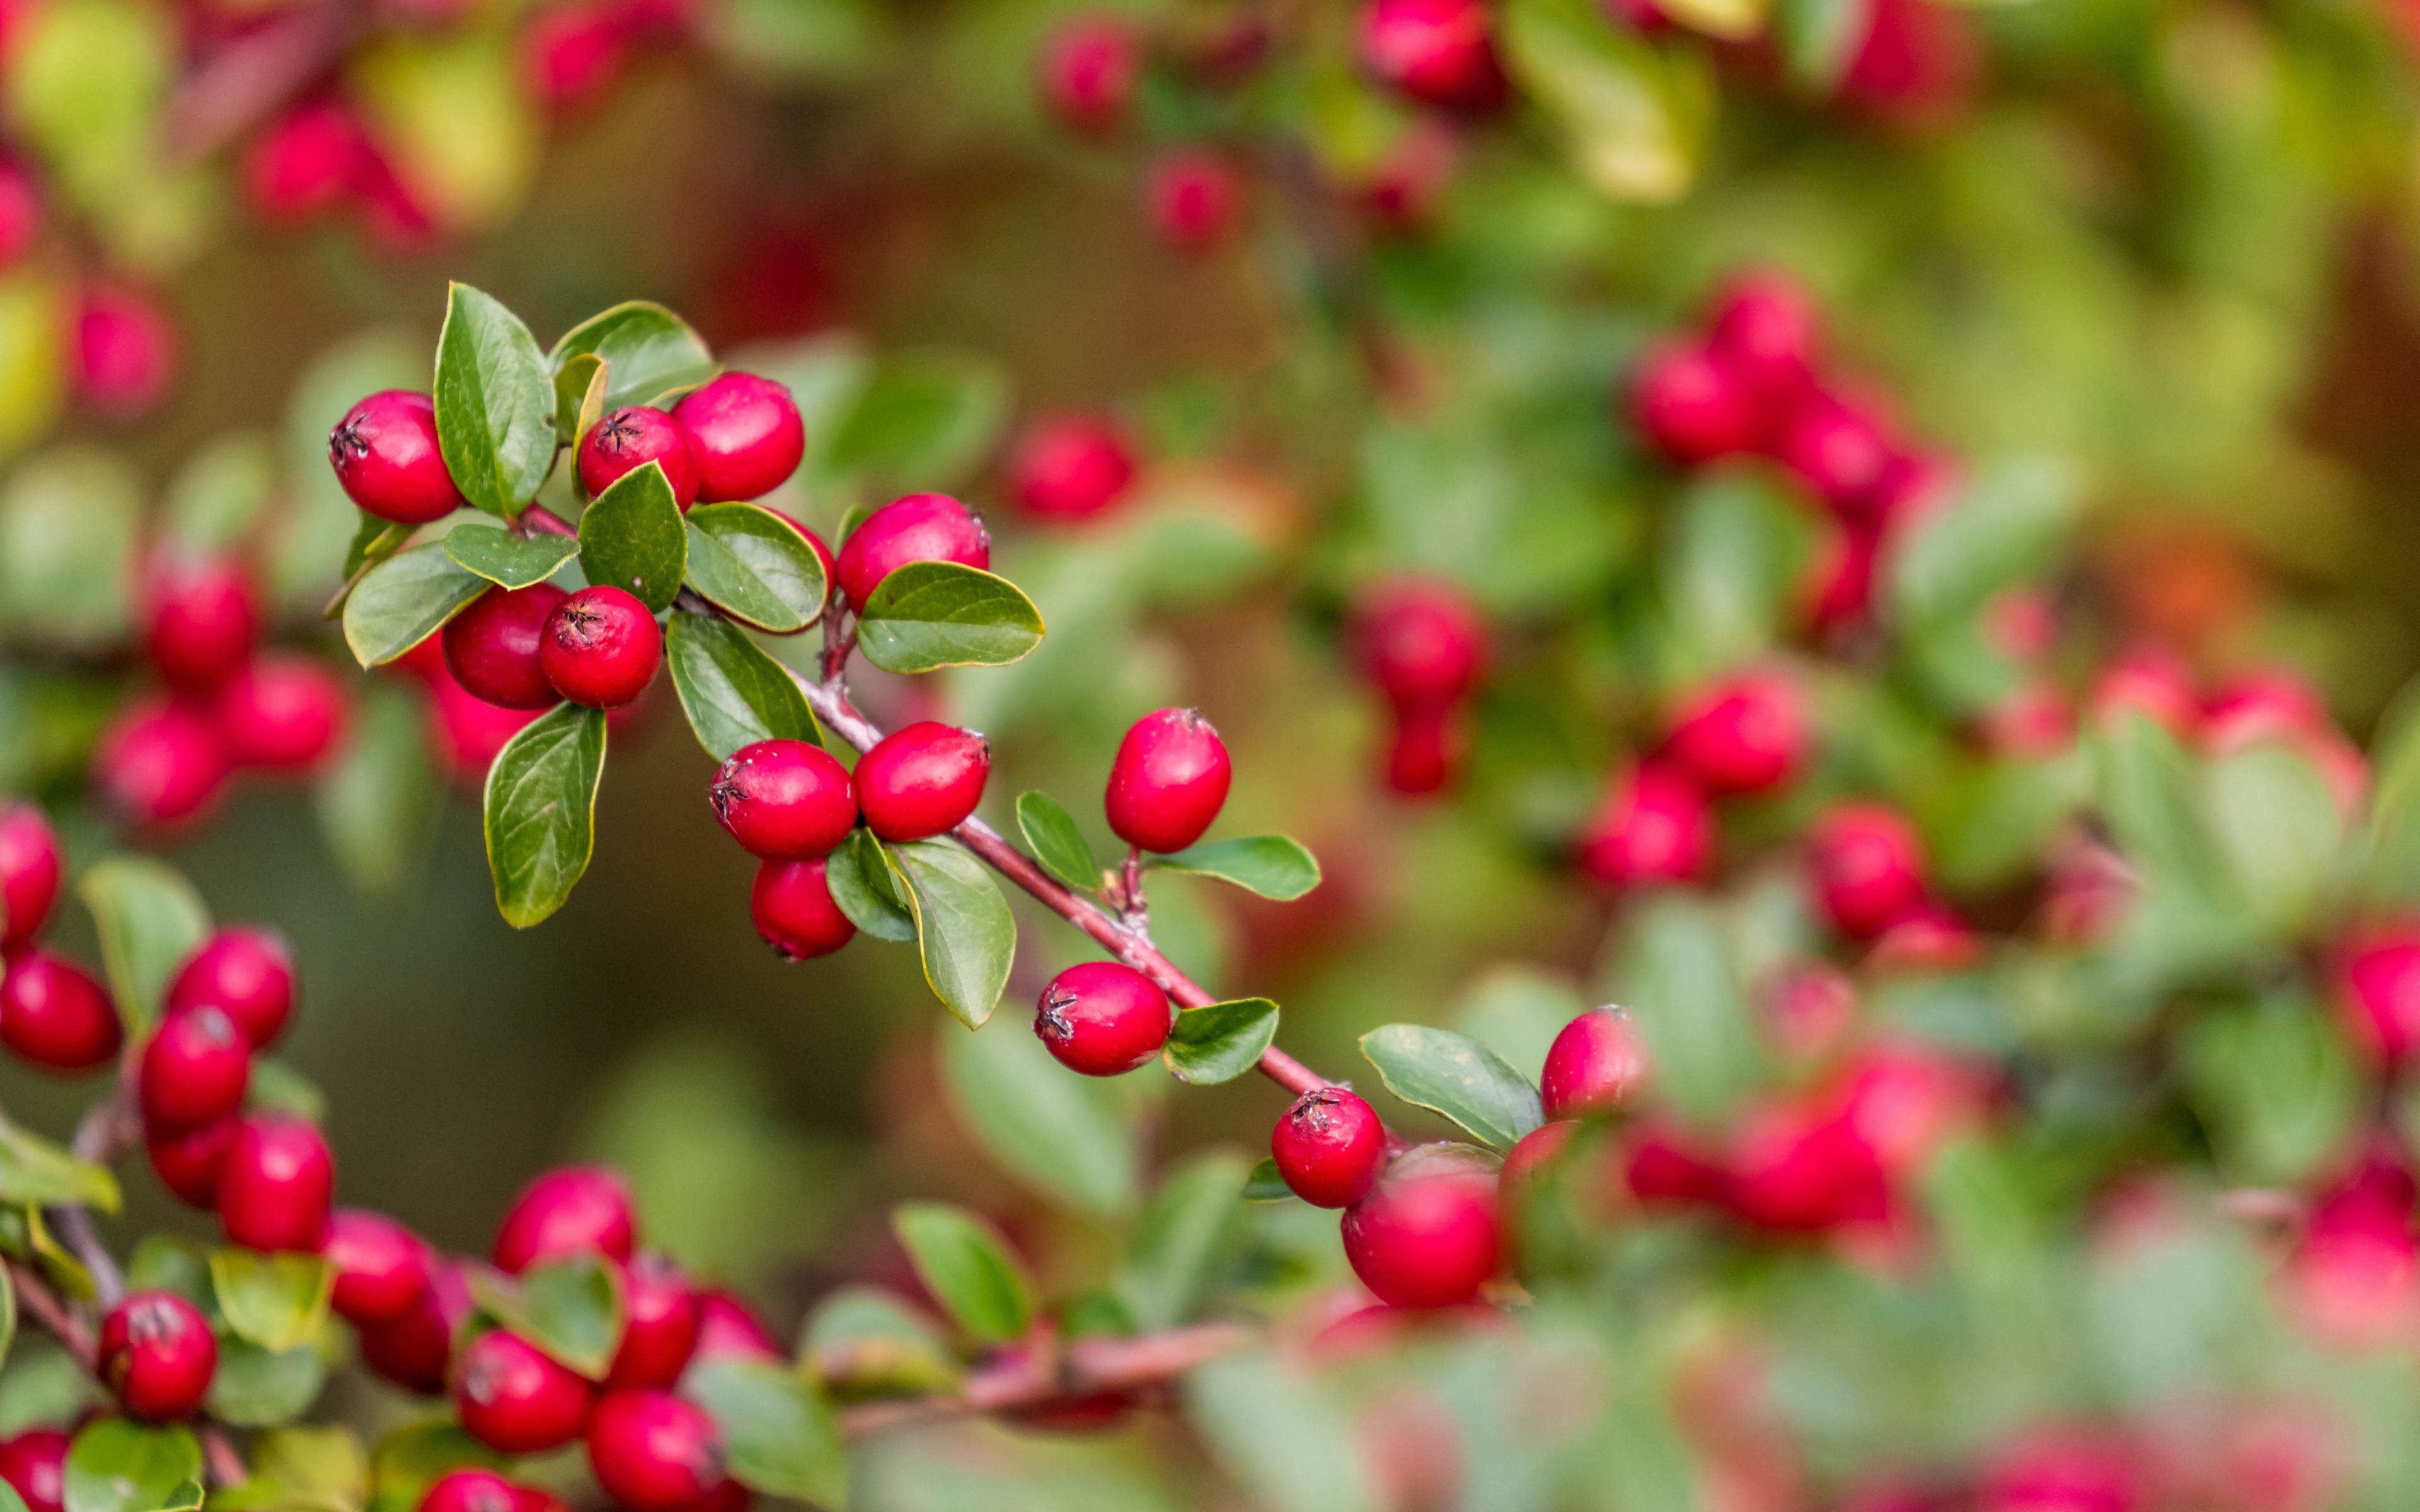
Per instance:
{"type": "Point", "coordinates": [57, 1318]}
{"type": "Point", "coordinates": [1031, 1378]}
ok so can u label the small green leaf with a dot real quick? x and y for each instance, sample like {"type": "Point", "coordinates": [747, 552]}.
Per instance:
{"type": "Point", "coordinates": [405, 1463]}
{"type": "Point", "coordinates": [734, 693]}
{"type": "Point", "coordinates": [541, 810]}
{"type": "Point", "coordinates": [1066, 1137]}
{"type": "Point", "coordinates": [276, 1300]}
{"type": "Point", "coordinates": [755, 565]}
{"type": "Point", "coordinates": [254, 1387]}
{"type": "Point", "coordinates": [150, 919]}
{"type": "Point", "coordinates": [1450, 1073]}
{"type": "Point", "coordinates": [968, 1267]}
{"type": "Point", "coordinates": [376, 541]}
{"type": "Point", "coordinates": [925, 419]}
{"type": "Point", "coordinates": [377, 804]}
{"type": "Point", "coordinates": [7, 1313]}
{"type": "Point", "coordinates": [867, 891]}
{"type": "Point", "coordinates": [577, 383]}
{"type": "Point", "coordinates": [502, 556]}
{"type": "Point", "coordinates": [778, 1434]}
{"type": "Point", "coordinates": [932, 614]}
{"type": "Point", "coordinates": [632, 539]}
{"type": "Point", "coordinates": [322, 1467]}
{"type": "Point", "coordinates": [1274, 866]}
{"type": "Point", "coordinates": [1266, 1185]}
{"type": "Point", "coordinates": [495, 405]}
{"type": "Point", "coordinates": [1058, 844]}
{"type": "Point", "coordinates": [863, 1341]}
{"type": "Point", "coordinates": [275, 1083]}
{"type": "Point", "coordinates": [1220, 1042]}
{"type": "Point", "coordinates": [571, 1309]}
{"type": "Point", "coordinates": [405, 600]}
{"type": "Point", "coordinates": [964, 929]}
{"type": "Point", "coordinates": [117, 1465]}
{"type": "Point", "coordinates": [651, 352]}
{"type": "Point", "coordinates": [1634, 115]}
{"type": "Point", "coordinates": [1188, 1232]}
{"type": "Point", "coordinates": [170, 1262]}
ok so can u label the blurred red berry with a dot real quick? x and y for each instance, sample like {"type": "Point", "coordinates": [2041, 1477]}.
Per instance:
{"type": "Point", "coordinates": [307, 163]}
{"type": "Point", "coordinates": [570, 52]}
{"type": "Point", "coordinates": [661, 1332]}
{"type": "Point", "coordinates": [572, 1209]}
{"type": "Point", "coordinates": [159, 764]}
{"type": "Point", "coordinates": [1425, 1241]}
{"type": "Point", "coordinates": [1088, 71]}
{"type": "Point", "coordinates": [1194, 200]}
{"type": "Point", "coordinates": [21, 223]}
{"type": "Point", "coordinates": [1745, 732]}
{"type": "Point", "coordinates": [124, 350]}
{"type": "Point", "coordinates": [55, 1015]}
{"type": "Point", "coordinates": [34, 1464]}
{"type": "Point", "coordinates": [1768, 337]}
{"type": "Point", "coordinates": [281, 713]}
{"type": "Point", "coordinates": [195, 1069]}
{"type": "Point", "coordinates": [1437, 52]}
{"type": "Point", "coordinates": [1867, 866]}
{"type": "Point", "coordinates": [1419, 640]}
{"type": "Point", "coordinates": [29, 873]}
{"type": "Point", "coordinates": [275, 1187]}
{"type": "Point", "coordinates": [1593, 1064]}
{"type": "Point", "coordinates": [654, 1452]}
{"type": "Point", "coordinates": [382, 1269]}
{"type": "Point", "coordinates": [156, 1353]}
{"type": "Point", "coordinates": [511, 1396]}
{"type": "Point", "coordinates": [189, 1160]}
{"type": "Point", "coordinates": [1692, 407]}
{"type": "Point", "coordinates": [201, 619]}
{"type": "Point", "coordinates": [1070, 467]}
{"type": "Point", "coordinates": [1654, 827]}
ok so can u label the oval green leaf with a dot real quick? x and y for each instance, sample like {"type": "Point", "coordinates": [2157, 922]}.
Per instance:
{"type": "Point", "coordinates": [778, 1434]}
{"type": "Point", "coordinates": [541, 810]}
{"type": "Point", "coordinates": [150, 919]}
{"type": "Point", "coordinates": [254, 1387]}
{"type": "Point", "coordinates": [579, 397]}
{"type": "Point", "coordinates": [571, 1309]}
{"type": "Point", "coordinates": [117, 1465]}
{"type": "Point", "coordinates": [505, 558]}
{"type": "Point", "coordinates": [967, 1266]}
{"type": "Point", "coordinates": [1265, 1184]}
{"type": "Point", "coordinates": [867, 891]}
{"type": "Point", "coordinates": [964, 929]}
{"type": "Point", "coordinates": [35, 1172]}
{"type": "Point", "coordinates": [406, 599]}
{"type": "Point", "coordinates": [932, 614]}
{"type": "Point", "coordinates": [632, 539]}
{"type": "Point", "coordinates": [495, 403]}
{"type": "Point", "coordinates": [1220, 1041]}
{"type": "Point", "coordinates": [1068, 1139]}
{"type": "Point", "coordinates": [1274, 866]}
{"type": "Point", "coordinates": [1058, 844]}
{"type": "Point", "coordinates": [1457, 1076]}
{"type": "Point", "coordinates": [756, 566]}
{"type": "Point", "coordinates": [732, 691]}
{"type": "Point", "coordinates": [649, 352]}
{"type": "Point", "coordinates": [1185, 1240]}
{"type": "Point", "coordinates": [276, 1300]}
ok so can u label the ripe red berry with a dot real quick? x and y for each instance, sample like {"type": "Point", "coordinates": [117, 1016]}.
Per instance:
{"type": "Point", "coordinates": [1102, 1018]}
{"type": "Point", "coordinates": [922, 781]}
{"type": "Point", "coordinates": [1329, 1147]}
{"type": "Point", "coordinates": [654, 1452]}
{"type": "Point", "coordinates": [1742, 734]}
{"type": "Point", "coordinates": [307, 163]}
{"type": "Point", "coordinates": [474, 1490]}
{"type": "Point", "coordinates": [491, 647]}
{"type": "Point", "coordinates": [247, 971]}
{"type": "Point", "coordinates": [383, 1268]}
{"type": "Point", "coordinates": [194, 1070]}
{"type": "Point", "coordinates": [29, 873]}
{"type": "Point", "coordinates": [159, 764]}
{"type": "Point", "coordinates": [2378, 990]}
{"type": "Point", "coordinates": [1768, 336]}
{"type": "Point", "coordinates": [1692, 407]}
{"type": "Point", "coordinates": [1534, 1152]}
{"type": "Point", "coordinates": [919, 527]}
{"type": "Point", "coordinates": [783, 800]}
{"type": "Point", "coordinates": [1168, 781]}
{"type": "Point", "coordinates": [125, 349]}
{"type": "Point", "coordinates": [157, 1354]}
{"type": "Point", "coordinates": [629, 439]}
{"type": "Point", "coordinates": [275, 1186]}
{"type": "Point", "coordinates": [571, 52]}
{"type": "Point", "coordinates": [572, 1209]}
{"type": "Point", "coordinates": [511, 1396]}
{"type": "Point", "coordinates": [188, 1161]}
{"type": "Point", "coordinates": [746, 434]}
{"type": "Point", "coordinates": [1193, 200]}
{"type": "Point", "coordinates": [1868, 866]}
{"type": "Point", "coordinates": [601, 648]}
{"type": "Point", "coordinates": [1592, 1065]}
{"type": "Point", "coordinates": [385, 455]}
{"type": "Point", "coordinates": [1420, 640]}
{"type": "Point", "coordinates": [1838, 450]}
{"type": "Point", "coordinates": [34, 1464]}
{"type": "Point", "coordinates": [200, 621]}
{"type": "Point", "coordinates": [1437, 52]}
{"type": "Point", "coordinates": [660, 1332]}
{"type": "Point", "coordinates": [1070, 467]}
{"type": "Point", "coordinates": [1654, 827]}
{"type": "Point", "coordinates": [728, 1326]}
{"type": "Point", "coordinates": [1088, 68]}
{"type": "Point", "coordinates": [468, 732]}
{"type": "Point", "coordinates": [21, 223]}
{"type": "Point", "coordinates": [1425, 1241]}
{"type": "Point", "coordinates": [791, 905]}
{"type": "Point", "coordinates": [280, 713]}
{"type": "Point", "coordinates": [55, 1015]}
{"type": "Point", "coordinates": [413, 1349]}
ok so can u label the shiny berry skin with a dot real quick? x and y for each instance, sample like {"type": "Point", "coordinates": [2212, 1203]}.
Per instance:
{"type": "Point", "coordinates": [728, 1326]}
{"type": "Point", "coordinates": [660, 1332]}
{"type": "Point", "coordinates": [493, 646]}
{"type": "Point", "coordinates": [2378, 991]}
{"type": "Point", "coordinates": [572, 1209]}
{"type": "Point", "coordinates": [1068, 468]}
{"type": "Point", "coordinates": [157, 1354]}
{"type": "Point", "coordinates": [791, 905]}
{"type": "Point", "coordinates": [1838, 450]}
{"type": "Point", "coordinates": [512, 1398]}
{"type": "Point", "coordinates": [1868, 866]}
{"type": "Point", "coordinates": [922, 781]}
{"type": "Point", "coordinates": [783, 800]}
{"type": "Point", "coordinates": [55, 1016]}
{"type": "Point", "coordinates": [194, 1070]}
{"type": "Point", "coordinates": [473, 1491]}
{"type": "Point", "coordinates": [383, 1268]}
{"type": "Point", "coordinates": [1692, 407]}
{"type": "Point", "coordinates": [34, 1464]}
{"type": "Point", "coordinates": [189, 1160]}
{"type": "Point", "coordinates": [746, 434]}
{"type": "Point", "coordinates": [1654, 827]}
{"type": "Point", "coordinates": [1329, 1147]}
{"type": "Point", "coordinates": [413, 1349]}
{"type": "Point", "coordinates": [1768, 336]}
{"type": "Point", "coordinates": [1088, 69]}
{"type": "Point", "coordinates": [1534, 1152]}
{"type": "Point", "coordinates": [1420, 640]}
{"type": "Point", "coordinates": [201, 619]}
{"type": "Point", "coordinates": [601, 648]}
{"type": "Point", "coordinates": [1436, 51]}
{"type": "Point", "coordinates": [1193, 200]}
{"type": "Point", "coordinates": [21, 226]}
{"type": "Point", "coordinates": [919, 527]}
{"type": "Point", "coordinates": [654, 1452]}
{"type": "Point", "coordinates": [249, 972]}
{"type": "Point", "coordinates": [385, 455]}
{"type": "Point", "coordinates": [629, 439]}
{"type": "Point", "coordinates": [1168, 781]}
{"type": "Point", "coordinates": [1425, 1241]}
{"type": "Point", "coordinates": [29, 873]}
{"type": "Point", "coordinates": [1593, 1064]}
{"type": "Point", "coordinates": [275, 1186]}
{"type": "Point", "coordinates": [280, 713]}
{"type": "Point", "coordinates": [306, 163]}
{"type": "Point", "coordinates": [1744, 733]}
{"type": "Point", "coordinates": [124, 350]}
{"type": "Point", "coordinates": [159, 764]}
{"type": "Point", "coordinates": [1102, 1018]}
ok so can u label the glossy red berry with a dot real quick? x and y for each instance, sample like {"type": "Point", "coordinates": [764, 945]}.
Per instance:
{"type": "Point", "coordinates": [1534, 1152]}
{"type": "Point", "coordinates": [491, 647]}
{"type": "Point", "coordinates": [1592, 1065]}
{"type": "Point", "coordinates": [1194, 199]}
{"type": "Point", "coordinates": [1088, 69]}
{"type": "Point", "coordinates": [919, 527]}
{"type": "Point", "coordinates": [654, 1452]}
{"type": "Point", "coordinates": [157, 1354]}
{"type": "Point", "coordinates": [55, 1015]}
{"type": "Point", "coordinates": [1692, 407]}
{"type": "Point", "coordinates": [474, 1490]}
{"type": "Point", "coordinates": [280, 713]}
{"type": "Point", "coordinates": [783, 800]}
{"type": "Point", "coordinates": [1329, 1147]}
{"type": "Point", "coordinates": [511, 1396]}
{"type": "Point", "coordinates": [188, 1161]}
{"type": "Point", "coordinates": [1102, 1018]}
{"type": "Point", "coordinates": [383, 1268]}
{"type": "Point", "coordinates": [629, 439]}
{"type": "Point", "coordinates": [791, 905]}
{"type": "Point", "coordinates": [1420, 640]}
{"type": "Point", "coordinates": [746, 434]}
{"type": "Point", "coordinates": [34, 1464]}
{"type": "Point", "coordinates": [413, 1349]}
{"type": "Point", "coordinates": [194, 1070]}
{"type": "Point", "coordinates": [124, 350]}
{"type": "Point", "coordinates": [661, 1332]}
{"type": "Point", "coordinates": [1868, 866]}
{"type": "Point", "coordinates": [1437, 52]}
{"type": "Point", "coordinates": [159, 763]}
{"type": "Point", "coordinates": [21, 226]}
{"type": "Point", "coordinates": [572, 1209]}
{"type": "Point", "coordinates": [1838, 450]}
{"type": "Point", "coordinates": [1425, 1241]}
{"type": "Point", "coordinates": [1654, 827]}
{"type": "Point", "coordinates": [1742, 733]}
{"type": "Point", "coordinates": [728, 1326]}
{"type": "Point", "coordinates": [385, 455]}
{"type": "Point", "coordinates": [601, 648]}
{"type": "Point", "coordinates": [571, 52]}
{"type": "Point", "coordinates": [922, 781]}
{"type": "Point", "coordinates": [29, 873]}
{"type": "Point", "coordinates": [275, 1187]}
{"type": "Point", "coordinates": [1768, 336]}
{"type": "Point", "coordinates": [1070, 467]}
{"type": "Point", "coordinates": [200, 621]}
{"type": "Point", "coordinates": [1168, 781]}
{"type": "Point", "coordinates": [249, 972]}
{"type": "Point", "coordinates": [307, 163]}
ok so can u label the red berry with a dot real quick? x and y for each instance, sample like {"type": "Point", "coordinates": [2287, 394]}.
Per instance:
{"type": "Point", "coordinates": [491, 647]}
{"type": "Point", "coordinates": [1193, 199]}
{"type": "Point", "coordinates": [511, 1396]}
{"type": "Point", "coordinates": [247, 971]}
{"type": "Point", "coordinates": [201, 619]}
{"type": "Point", "coordinates": [1742, 733]}
{"type": "Point", "coordinates": [1102, 1019]}
{"type": "Point", "coordinates": [468, 732]}
{"type": "Point", "coordinates": [1868, 866]}
{"type": "Point", "coordinates": [1838, 589]}
{"type": "Point", "coordinates": [1425, 1241]}
{"type": "Point", "coordinates": [654, 1452]}
{"type": "Point", "coordinates": [280, 713]}
{"type": "Point", "coordinates": [571, 52]}
{"type": "Point", "coordinates": [1768, 336]}
{"type": "Point", "coordinates": [1534, 1152]}
{"type": "Point", "coordinates": [125, 349]}
{"type": "Point", "coordinates": [194, 1070]}
{"type": "Point", "coordinates": [919, 527]}
{"type": "Point", "coordinates": [55, 1015]}
{"type": "Point", "coordinates": [728, 1326]}
{"type": "Point", "coordinates": [413, 1349]}
{"type": "Point", "coordinates": [660, 1332]}
{"type": "Point", "coordinates": [1838, 449]}
{"type": "Point", "coordinates": [1426, 748]}
{"type": "Point", "coordinates": [1803, 1169]}
{"type": "Point", "coordinates": [1070, 467]}
{"type": "Point", "coordinates": [275, 1186]}
{"type": "Point", "coordinates": [383, 1268]}
{"type": "Point", "coordinates": [157, 1354]}
{"type": "Point", "coordinates": [783, 800]}
{"type": "Point", "coordinates": [1592, 1065]}
{"type": "Point", "coordinates": [922, 781]}
{"type": "Point", "coordinates": [629, 439]}
{"type": "Point", "coordinates": [188, 1161]}
{"type": "Point", "coordinates": [2378, 991]}
{"type": "Point", "coordinates": [34, 1464]}
{"type": "Point", "coordinates": [1420, 640]}
{"type": "Point", "coordinates": [572, 1209]}
{"type": "Point", "coordinates": [1654, 827]}
{"type": "Point", "coordinates": [21, 226]}
{"type": "Point", "coordinates": [159, 764]}
{"type": "Point", "coordinates": [473, 1491]}
{"type": "Point", "coordinates": [307, 163]}
{"type": "Point", "coordinates": [1168, 781]}
{"type": "Point", "coordinates": [1329, 1147]}
{"type": "Point", "coordinates": [601, 648]}
{"type": "Point", "coordinates": [1088, 69]}
{"type": "Point", "coordinates": [747, 433]}
{"type": "Point", "coordinates": [1436, 51]}
{"type": "Point", "coordinates": [1916, 64]}
{"type": "Point", "coordinates": [791, 905]}
{"type": "Point", "coordinates": [385, 455]}
{"type": "Point", "coordinates": [29, 873]}
{"type": "Point", "coordinates": [1692, 407]}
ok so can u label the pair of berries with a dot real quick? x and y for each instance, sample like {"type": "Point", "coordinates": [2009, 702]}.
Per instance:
{"type": "Point", "coordinates": [1420, 642]}
{"type": "Point", "coordinates": [531, 648]}
{"type": "Point", "coordinates": [650, 1451]}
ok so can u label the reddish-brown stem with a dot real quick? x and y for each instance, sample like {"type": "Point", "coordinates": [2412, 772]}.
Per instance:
{"type": "Point", "coordinates": [1038, 1376]}
{"type": "Point", "coordinates": [45, 1306]}
{"type": "Point", "coordinates": [537, 519]}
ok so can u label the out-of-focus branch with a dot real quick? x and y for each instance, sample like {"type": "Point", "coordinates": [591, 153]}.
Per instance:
{"type": "Point", "coordinates": [1036, 1377]}
{"type": "Point", "coordinates": [254, 76]}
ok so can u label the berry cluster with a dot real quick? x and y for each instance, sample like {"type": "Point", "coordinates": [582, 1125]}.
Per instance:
{"type": "Point", "coordinates": [1421, 644]}
{"type": "Point", "coordinates": [1090, 71]}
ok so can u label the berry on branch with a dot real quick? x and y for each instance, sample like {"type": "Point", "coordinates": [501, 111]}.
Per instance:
{"type": "Point", "coordinates": [55, 1016]}
{"type": "Point", "coordinates": [783, 800]}
{"type": "Point", "coordinates": [1168, 781]}
{"type": "Point", "coordinates": [1427, 1240]}
{"type": "Point", "coordinates": [629, 439]}
{"type": "Point", "coordinates": [249, 972]}
{"type": "Point", "coordinates": [1593, 1064]}
{"type": "Point", "coordinates": [491, 647]}
{"type": "Point", "coordinates": [746, 434]}
{"type": "Point", "coordinates": [601, 648]}
{"type": "Point", "coordinates": [922, 781]}
{"type": "Point", "coordinates": [156, 1353]}
{"type": "Point", "coordinates": [1329, 1147]}
{"type": "Point", "coordinates": [29, 873]}
{"type": "Point", "coordinates": [572, 1209]}
{"type": "Point", "coordinates": [194, 1070]}
{"type": "Point", "coordinates": [511, 1396]}
{"type": "Point", "coordinates": [383, 1268]}
{"type": "Point", "coordinates": [918, 527]}
{"type": "Point", "coordinates": [1102, 1018]}
{"type": "Point", "coordinates": [275, 1187]}
{"type": "Point", "coordinates": [791, 905]}
{"type": "Point", "coordinates": [385, 455]}
{"type": "Point", "coordinates": [654, 1452]}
